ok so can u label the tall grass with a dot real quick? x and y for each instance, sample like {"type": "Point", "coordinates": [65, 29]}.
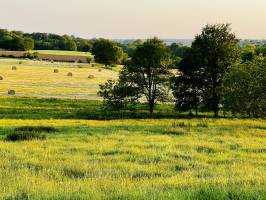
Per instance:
{"type": "Point", "coordinates": [136, 159]}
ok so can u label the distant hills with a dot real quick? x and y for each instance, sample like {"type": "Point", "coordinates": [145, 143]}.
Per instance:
{"type": "Point", "coordinates": [188, 42]}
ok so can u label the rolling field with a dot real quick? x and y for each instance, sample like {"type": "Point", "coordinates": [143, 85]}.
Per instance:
{"type": "Point", "coordinates": [49, 151]}
{"type": "Point", "coordinates": [60, 52]}
{"type": "Point", "coordinates": [37, 79]}
{"type": "Point", "coordinates": [136, 159]}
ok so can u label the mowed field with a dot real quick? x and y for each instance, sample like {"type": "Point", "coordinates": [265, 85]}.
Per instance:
{"type": "Point", "coordinates": [136, 159]}
{"type": "Point", "coordinates": [37, 79]}
{"type": "Point", "coordinates": [60, 52]}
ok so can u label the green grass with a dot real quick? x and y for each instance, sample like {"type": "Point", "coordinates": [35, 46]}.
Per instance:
{"type": "Point", "coordinates": [51, 108]}
{"type": "Point", "coordinates": [55, 153]}
{"type": "Point", "coordinates": [60, 52]}
{"type": "Point", "coordinates": [136, 159]}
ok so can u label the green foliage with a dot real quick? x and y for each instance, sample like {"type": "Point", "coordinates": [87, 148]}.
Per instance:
{"type": "Point", "coordinates": [244, 88]}
{"type": "Point", "coordinates": [118, 95]}
{"type": "Point", "coordinates": [107, 52]}
{"type": "Point", "coordinates": [22, 136]}
{"type": "Point", "coordinates": [28, 44]}
{"type": "Point", "coordinates": [261, 50]}
{"type": "Point", "coordinates": [248, 52]}
{"type": "Point", "coordinates": [37, 129]}
{"type": "Point", "coordinates": [15, 41]}
{"type": "Point", "coordinates": [212, 53]}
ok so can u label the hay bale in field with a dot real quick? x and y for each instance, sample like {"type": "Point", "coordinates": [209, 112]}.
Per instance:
{"type": "Point", "coordinates": [56, 71]}
{"type": "Point", "coordinates": [14, 68]}
{"type": "Point", "coordinates": [93, 65]}
{"type": "Point", "coordinates": [69, 74]}
{"type": "Point", "coordinates": [90, 77]}
{"type": "Point", "coordinates": [99, 70]}
{"type": "Point", "coordinates": [19, 62]}
{"type": "Point", "coordinates": [80, 66]}
{"type": "Point", "coordinates": [11, 92]}
{"type": "Point", "coordinates": [1, 78]}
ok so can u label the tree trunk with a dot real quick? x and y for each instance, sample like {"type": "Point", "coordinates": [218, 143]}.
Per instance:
{"type": "Point", "coordinates": [151, 106]}
{"type": "Point", "coordinates": [216, 111]}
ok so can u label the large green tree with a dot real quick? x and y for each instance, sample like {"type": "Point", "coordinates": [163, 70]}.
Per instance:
{"type": "Point", "coordinates": [147, 73]}
{"type": "Point", "coordinates": [107, 52]}
{"type": "Point", "coordinates": [244, 88]}
{"type": "Point", "coordinates": [213, 52]}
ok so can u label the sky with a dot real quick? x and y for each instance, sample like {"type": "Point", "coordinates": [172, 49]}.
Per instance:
{"type": "Point", "coordinates": [133, 19]}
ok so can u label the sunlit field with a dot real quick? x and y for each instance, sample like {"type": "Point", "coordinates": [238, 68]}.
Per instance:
{"type": "Point", "coordinates": [60, 52]}
{"type": "Point", "coordinates": [37, 79]}
{"type": "Point", "coordinates": [135, 159]}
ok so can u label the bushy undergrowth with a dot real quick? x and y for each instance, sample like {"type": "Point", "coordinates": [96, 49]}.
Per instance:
{"type": "Point", "coordinates": [23, 135]}
{"type": "Point", "coordinates": [37, 129]}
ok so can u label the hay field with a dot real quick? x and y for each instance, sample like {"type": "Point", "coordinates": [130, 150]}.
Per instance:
{"type": "Point", "coordinates": [136, 159]}
{"type": "Point", "coordinates": [60, 52]}
{"type": "Point", "coordinates": [37, 79]}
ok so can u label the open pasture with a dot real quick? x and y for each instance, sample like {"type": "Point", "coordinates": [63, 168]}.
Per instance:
{"type": "Point", "coordinates": [135, 159]}
{"type": "Point", "coordinates": [60, 52]}
{"type": "Point", "coordinates": [38, 79]}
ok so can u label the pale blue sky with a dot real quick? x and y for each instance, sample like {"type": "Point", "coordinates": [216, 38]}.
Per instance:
{"type": "Point", "coordinates": [133, 18]}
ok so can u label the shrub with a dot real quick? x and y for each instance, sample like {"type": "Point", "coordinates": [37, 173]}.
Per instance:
{"type": "Point", "coordinates": [89, 59]}
{"type": "Point", "coordinates": [22, 136]}
{"type": "Point", "coordinates": [38, 129]}
{"type": "Point", "coordinates": [19, 62]}
{"type": "Point", "coordinates": [11, 92]}
{"type": "Point", "coordinates": [56, 70]}
{"type": "Point", "coordinates": [90, 77]}
{"type": "Point", "coordinates": [14, 68]}
{"type": "Point", "coordinates": [69, 74]}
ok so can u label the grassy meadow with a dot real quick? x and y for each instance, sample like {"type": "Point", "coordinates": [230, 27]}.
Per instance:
{"type": "Point", "coordinates": [37, 79]}
{"type": "Point", "coordinates": [52, 149]}
{"type": "Point", "coordinates": [136, 159]}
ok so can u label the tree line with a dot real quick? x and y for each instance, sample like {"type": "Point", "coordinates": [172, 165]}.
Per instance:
{"type": "Point", "coordinates": [214, 74]}
{"type": "Point", "coordinates": [20, 41]}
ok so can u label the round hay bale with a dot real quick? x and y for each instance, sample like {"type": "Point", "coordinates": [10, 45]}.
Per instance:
{"type": "Point", "coordinates": [69, 74]}
{"type": "Point", "coordinates": [56, 71]}
{"type": "Point", "coordinates": [99, 70]}
{"type": "Point", "coordinates": [51, 61]}
{"type": "Point", "coordinates": [19, 62]}
{"type": "Point", "coordinates": [93, 65]}
{"type": "Point", "coordinates": [14, 68]}
{"type": "Point", "coordinates": [90, 77]}
{"type": "Point", "coordinates": [1, 78]}
{"type": "Point", "coordinates": [11, 92]}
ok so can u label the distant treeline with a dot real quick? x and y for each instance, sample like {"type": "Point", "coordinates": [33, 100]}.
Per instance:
{"type": "Point", "coordinates": [20, 41]}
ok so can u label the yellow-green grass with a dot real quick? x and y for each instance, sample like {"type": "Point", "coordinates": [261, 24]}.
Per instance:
{"type": "Point", "coordinates": [136, 159]}
{"type": "Point", "coordinates": [61, 52]}
{"type": "Point", "coordinates": [37, 79]}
